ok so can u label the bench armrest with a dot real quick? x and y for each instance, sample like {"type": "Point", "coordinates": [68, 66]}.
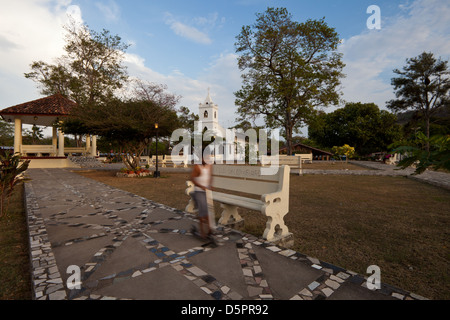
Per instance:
{"type": "Point", "coordinates": [271, 198]}
{"type": "Point", "coordinates": [190, 187]}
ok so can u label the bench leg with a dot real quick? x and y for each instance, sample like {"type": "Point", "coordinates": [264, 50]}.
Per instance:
{"type": "Point", "coordinates": [190, 208]}
{"type": "Point", "coordinates": [271, 232]}
{"type": "Point", "coordinates": [229, 215]}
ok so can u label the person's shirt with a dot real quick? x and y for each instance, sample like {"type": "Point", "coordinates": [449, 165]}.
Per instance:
{"type": "Point", "coordinates": [203, 178]}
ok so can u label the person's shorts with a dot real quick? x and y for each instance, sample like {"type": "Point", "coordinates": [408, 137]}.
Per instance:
{"type": "Point", "coordinates": [200, 202]}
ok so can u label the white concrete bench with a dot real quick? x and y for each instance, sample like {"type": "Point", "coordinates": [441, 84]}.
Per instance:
{"type": "Point", "coordinates": [71, 151]}
{"type": "Point", "coordinates": [146, 160]}
{"type": "Point", "coordinates": [305, 157]}
{"type": "Point", "coordinates": [160, 161]}
{"type": "Point", "coordinates": [175, 161]}
{"type": "Point", "coordinates": [38, 149]}
{"type": "Point", "coordinates": [294, 162]}
{"type": "Point", "coordinates": [272, 189]}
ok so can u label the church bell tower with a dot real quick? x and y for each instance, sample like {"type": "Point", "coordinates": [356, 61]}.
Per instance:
{"type": "Point", "coordinates": [209, 114]}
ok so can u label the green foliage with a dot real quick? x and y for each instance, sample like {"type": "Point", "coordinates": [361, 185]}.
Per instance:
{"type": "Point", "coordinates": [33, 136]}
{"type": "Point", "coordinates": [437, 157]}
{"type": "Point", "coordinates": [344, 150]}
{"type": "Point", "coordinates": [291, 68]}
{"type": "Point", "coordinates": [89, 72]}
{"type": "Point", "coordinates": [362, 125]}
{"type": "Point", "coordinates": [423, 85]}
{"type": "Point", "coordinates": [6, 133]}
{"type": "Point", "coordinates": [11, 168]}
{"type": "Point", "coordinates": [129, 125]}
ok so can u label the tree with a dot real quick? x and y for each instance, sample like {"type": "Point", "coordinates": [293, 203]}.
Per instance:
{"type": "Point", "coordinates": [129, 124]}
{"type": "Point", "coordinates": [89, 73]}
{"type": "Point", "coordinates": [291, 68]}
{"type": "Point", "coordinates": [33, 136]}
{"type": "Point", "coordinates": [6, 133]}
{"type": "Point", "coordinates": [362, 125]}
{"type": "Point", "coordinates": [423, 85]}
{"type": "Point", "coordinates": [344, 150]}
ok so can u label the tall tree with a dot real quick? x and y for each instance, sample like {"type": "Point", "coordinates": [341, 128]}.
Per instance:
{"type": "Point", "coordinates": [291, 68]}
{"type": "Point", "coordinates": [423, 85]}
{"type": "Point", "coordinates": [89, 72]}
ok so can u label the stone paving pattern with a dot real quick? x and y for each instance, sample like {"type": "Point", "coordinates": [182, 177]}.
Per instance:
{"type": "Point", "coordinates": [129, 247]}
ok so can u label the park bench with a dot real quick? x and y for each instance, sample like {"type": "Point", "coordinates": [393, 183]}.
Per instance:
{"type": "Point", "coordinates": [175, 161]}
{"type": "Point", "coordinates": [306, 157]}
{"type": "Point", "coordinates": [273, 192]}
{"type": "Point", "coordinates": [38, 149]}
{"type": "Point", "coordinates": [145, 160]}
{"type": "Point", "coordinates": [71, 151]}
{"type": "Point", "coordinates": [160, 161]}
{"type": "Point", "coordinates": [294, 162]}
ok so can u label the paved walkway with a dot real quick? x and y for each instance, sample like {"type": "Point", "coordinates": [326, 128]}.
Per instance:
{"type": "Point", "coordinates": [129, 247]}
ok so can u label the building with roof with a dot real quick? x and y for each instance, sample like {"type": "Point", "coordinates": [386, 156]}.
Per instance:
{"type": "Point", "coordinates": [317, 154]}
{"type": "Point", "coordinates": [47, 112]}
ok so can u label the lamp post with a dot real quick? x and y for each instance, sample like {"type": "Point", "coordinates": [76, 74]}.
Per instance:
{"type": "Point", "coordinates": [156, 174]}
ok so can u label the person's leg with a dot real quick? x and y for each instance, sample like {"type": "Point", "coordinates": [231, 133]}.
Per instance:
{"type": "Point", "coordinates": [204, 226]}
{"type": "Point", "coordinates": [202, 213]}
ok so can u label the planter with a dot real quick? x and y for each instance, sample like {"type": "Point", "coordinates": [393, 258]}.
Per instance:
{"type": "Point", "coordinates": [133, 174]}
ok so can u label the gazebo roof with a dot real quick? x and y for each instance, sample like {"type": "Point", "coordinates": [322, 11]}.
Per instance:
{"type": "Point", "coordinates": [32, 112]}
{"type": "Point", "coordinates": [55, 105]}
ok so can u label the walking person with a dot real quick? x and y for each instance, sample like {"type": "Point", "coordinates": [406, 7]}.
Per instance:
{"type": "Point", "coordinates": [201, 176]}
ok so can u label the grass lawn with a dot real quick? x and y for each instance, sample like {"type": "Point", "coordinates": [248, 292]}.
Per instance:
{"type": "Point", "coordinates": [15, 281]}
{"type": "Point", "coordinates": [399, 224]}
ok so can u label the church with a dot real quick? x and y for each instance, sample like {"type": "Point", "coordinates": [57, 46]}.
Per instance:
{"type": "Point", "coordinates": [230, 143]}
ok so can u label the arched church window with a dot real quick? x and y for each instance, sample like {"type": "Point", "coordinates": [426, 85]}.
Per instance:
{"type": "Point", "coordinates": [205, 115]}
{"type": "Point", "coordinates": [215, 115]}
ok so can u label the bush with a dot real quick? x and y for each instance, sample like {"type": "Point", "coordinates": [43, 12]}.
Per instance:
{"type": "Point", "coordinates": [12, 168]}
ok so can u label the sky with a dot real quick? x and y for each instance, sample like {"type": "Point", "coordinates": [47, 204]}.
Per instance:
{"type": "Point", "coordinates": [188, 45]}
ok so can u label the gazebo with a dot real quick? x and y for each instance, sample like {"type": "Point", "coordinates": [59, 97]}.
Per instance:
{"type": "Point", "coordinates": [46, 112]}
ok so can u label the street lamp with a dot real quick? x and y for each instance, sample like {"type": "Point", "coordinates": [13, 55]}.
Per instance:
{"type": "Point", "coordinates": [156, 174]}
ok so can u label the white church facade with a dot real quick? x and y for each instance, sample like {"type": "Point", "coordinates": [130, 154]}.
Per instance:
{"type": "Point", "coordinates": [230, 143]}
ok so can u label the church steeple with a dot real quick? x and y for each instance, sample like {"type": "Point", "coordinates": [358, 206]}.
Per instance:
{"type": "Point", "coordinates": [208, 113]}
{"type": "Point", "coordinates": [208, 98]}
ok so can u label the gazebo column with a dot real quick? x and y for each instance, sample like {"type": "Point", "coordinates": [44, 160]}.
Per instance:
{"type": "Point", "coordinates": [17, 135]}
{"type": "Point", "coordinates": [88, 143]}
{"type": "Point", "coordinates": [61, 143]}
{"type": "Point", "coordinates": [94, 146]}
{"type": "Point", "coordinates": [54, 139]}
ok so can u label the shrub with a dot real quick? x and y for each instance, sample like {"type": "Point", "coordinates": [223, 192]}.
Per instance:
{"type": "Point", "coordinates": [11, 169]}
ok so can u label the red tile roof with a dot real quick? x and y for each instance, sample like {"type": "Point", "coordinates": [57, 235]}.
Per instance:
{"type": "Point", "coordinates": [55, 105]}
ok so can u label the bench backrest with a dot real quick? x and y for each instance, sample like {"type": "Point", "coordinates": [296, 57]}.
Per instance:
{"type": "Point", "coordinates": [249, 179]}
{"type": "Point", "coordinates": [37, 148]}
{"type": "Point", "coordinates": [292, 161]}
{"type": "Point", "coordinates": [305, 156]}
{"type": "Point", "coordinates": [180, 159]}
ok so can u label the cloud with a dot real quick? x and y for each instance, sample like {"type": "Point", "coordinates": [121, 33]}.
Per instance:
{"type": "Point", "coordinates": [110, 11]}
{"type": "Point", "coordinates": [186, 31]}
{"type": "Point", "coordinates": [371, 56]}
{"type": "Point", "coordinates": [29, 31]}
